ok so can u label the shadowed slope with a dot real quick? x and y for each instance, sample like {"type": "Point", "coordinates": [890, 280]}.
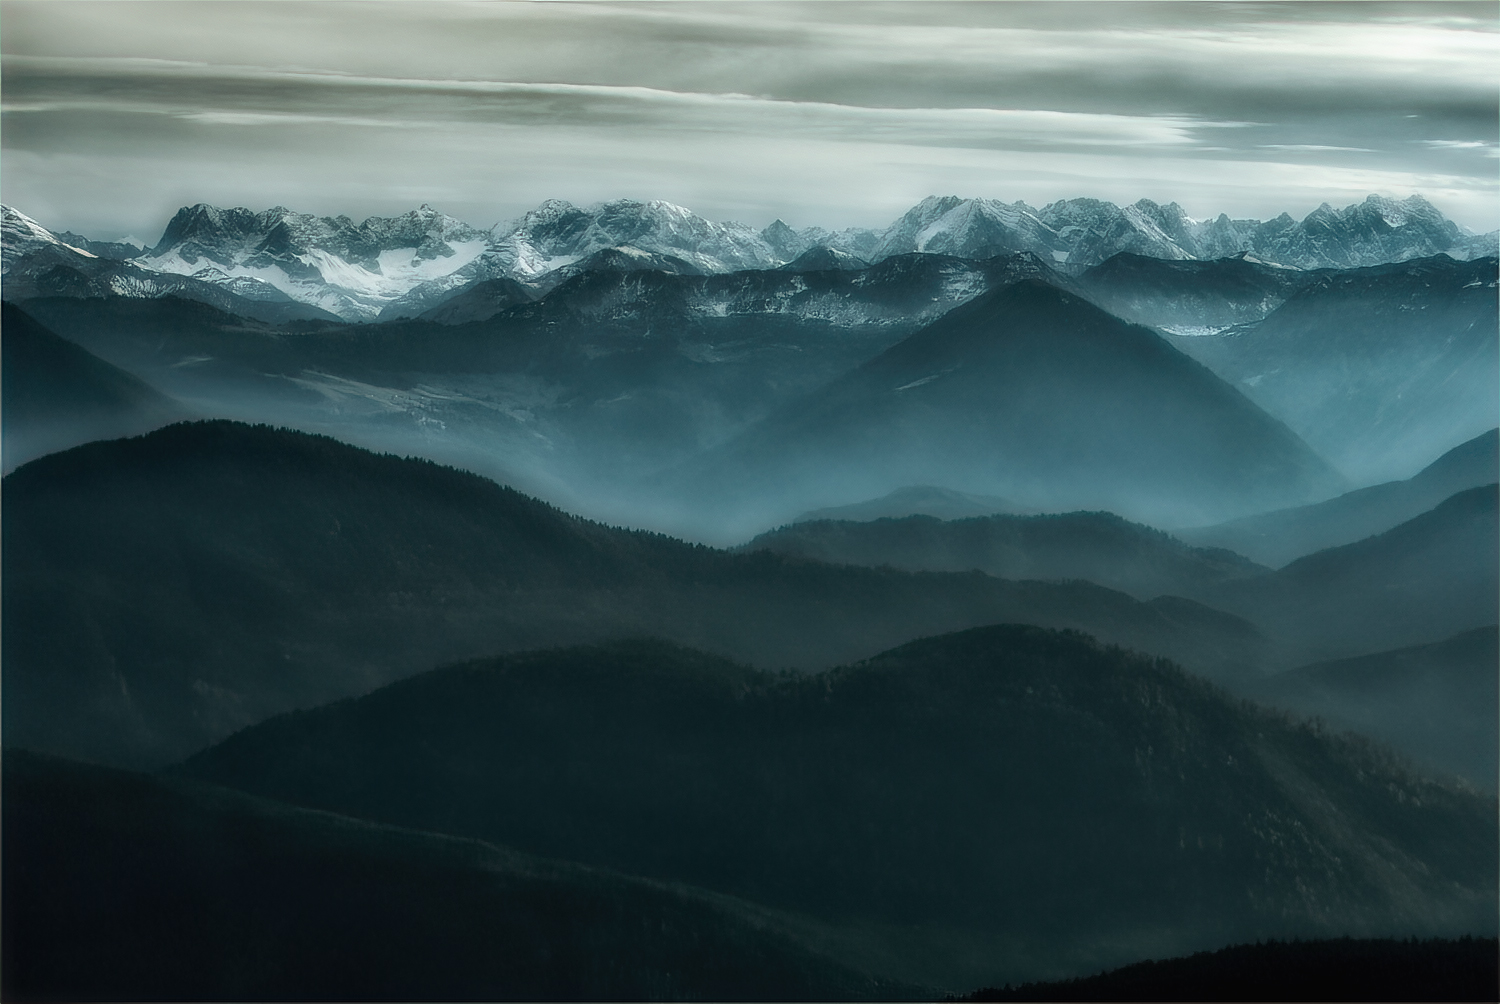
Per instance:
{"type": "Point", "coordinates": [56, 394]}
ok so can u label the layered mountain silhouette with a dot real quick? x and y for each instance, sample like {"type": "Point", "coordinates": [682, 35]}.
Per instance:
{"type": "Point", "coordinates": [124, 886]}
{"type": "Point", "coordinates": [1429, 578]}
{"type": "Point", "coordinates": [1377, 368]}
{"type": "Point", "coordinates": [1436, 702]}
{"type": "Point", "coordinates": [1013, 788]}
{"type": "Point", "coordinates": [56, 394]}
{"type": "Point", "coordinates": [165, 591]}
{"type": "Point", "coordinates": [1030, 393]}
{"type": "Point", "coordinates": [1276, 538]}
{"type": "Point", "coordinates": [1096, 546]}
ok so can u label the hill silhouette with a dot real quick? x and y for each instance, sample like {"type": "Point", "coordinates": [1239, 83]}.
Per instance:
{"type": "Point", "coordinates": [123, 886]}
{"type": "Point", "coordinates": [57, 394]}
{"type": "Point", "coordinates": [1097, 546]}
{"type": "Point", "coordinates": [1275, 538]}
{"type": "Point", "coordinates": [1010, 787]}
{"type": "Point", "coordinates": [1343, 969]}
{"type": "Point", "coordinates": [1437, 703]}
{"type": "Point", "coordinates": [1033, 394]}
{"type": "Point", "coordinates": [165, 591]}
{"type": "Point", "coordinates": [1427, 579]}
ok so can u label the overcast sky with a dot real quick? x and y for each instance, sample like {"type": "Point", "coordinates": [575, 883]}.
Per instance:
{"type": "Point", "coordinates": [834, 114]}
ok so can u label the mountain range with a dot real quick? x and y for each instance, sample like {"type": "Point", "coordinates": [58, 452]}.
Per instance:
{"type": "Point", "coordinates": [407, 265]}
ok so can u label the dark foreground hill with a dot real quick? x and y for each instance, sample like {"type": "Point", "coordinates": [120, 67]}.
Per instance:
{"type": "Point", "coordinates": [122, 886]}
{"type": "Point", "coordinates": [1097, 546]}
{"type": "Point", "coordinates": [992, 805]}
{"type": "Point", "coordinates": [1344, 969]}
{"type": "Point", "coordinates": [1033, 394]}
{"type": "Point", "coordinates": [1438, 703]}
{"type": "Point", "coordinates": [162, 592]}
{"type": "Point", "coordinates": [1425, 580]}
{"type": "Point", "coordinates": [1275, 538]}
{"type": "Point", "coordinates": [57, 394]}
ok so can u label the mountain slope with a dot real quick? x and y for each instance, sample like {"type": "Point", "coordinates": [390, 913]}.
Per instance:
{"type": "Point", "coordinates": [1427, 579]}
{"type": "Point", "coordinates": [163, 592]}
{"type": "Point", "coordinates": [123, 886]}
{"type": "Point", "coordinates": [1190, 296]}
{"type": "Point", "coordinates": [1030, 393]}
{"type": "Point", "coordinates": [1008, 786]}
{"type": "Point", "coordinates": [1377, 368]}
{"type": "Point", "coordinates": [1099, 547]}
{"type": "Point", "coordinates": [1436, 703]}
{"type": "Point", "coordinates": [1275, 538]}
{"type": "Point", "coordinates": [56, 394]}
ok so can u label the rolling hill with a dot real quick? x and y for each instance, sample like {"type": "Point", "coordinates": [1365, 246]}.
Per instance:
{"type": "Point", "coordinates": [986, 806]}
{"type": "Point", "coordinates": [165, 591]}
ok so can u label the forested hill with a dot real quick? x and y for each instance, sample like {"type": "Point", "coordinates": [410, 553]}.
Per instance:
{"type": "Point", "coordinates": [165, 591]}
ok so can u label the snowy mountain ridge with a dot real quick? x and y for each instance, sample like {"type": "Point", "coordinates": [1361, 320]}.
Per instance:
{"type": "Point", "coordinates": [405, 265]}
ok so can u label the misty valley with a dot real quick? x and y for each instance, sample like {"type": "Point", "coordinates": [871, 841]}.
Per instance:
{"type": "Point", "coordinates": [1074, 602]}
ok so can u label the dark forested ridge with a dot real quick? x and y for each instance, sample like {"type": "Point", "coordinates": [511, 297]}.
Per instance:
{"type": "Point", "coordinates": [1344, 969]}
{"type": "Point", "coordinates": [921, 790]}
{"type": "Point", "coordinates": [164, 591]}
{"type": "Point", "coordinates": [123, 886]}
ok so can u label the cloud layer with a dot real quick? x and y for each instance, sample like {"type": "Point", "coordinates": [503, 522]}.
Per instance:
{"type": "Point", "coordinates": [836, 114]}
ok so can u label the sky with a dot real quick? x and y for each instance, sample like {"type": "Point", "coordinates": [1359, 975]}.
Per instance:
{"type": "Point", "coordinates": [832, 114]}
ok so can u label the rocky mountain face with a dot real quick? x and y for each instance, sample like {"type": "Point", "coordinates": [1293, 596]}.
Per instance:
{"type": "Point", "coordinates": [405, 266]}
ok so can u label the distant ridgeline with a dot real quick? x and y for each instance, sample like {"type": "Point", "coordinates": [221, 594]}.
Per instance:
{"type": "Point", "coordinates": [409, 264]}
